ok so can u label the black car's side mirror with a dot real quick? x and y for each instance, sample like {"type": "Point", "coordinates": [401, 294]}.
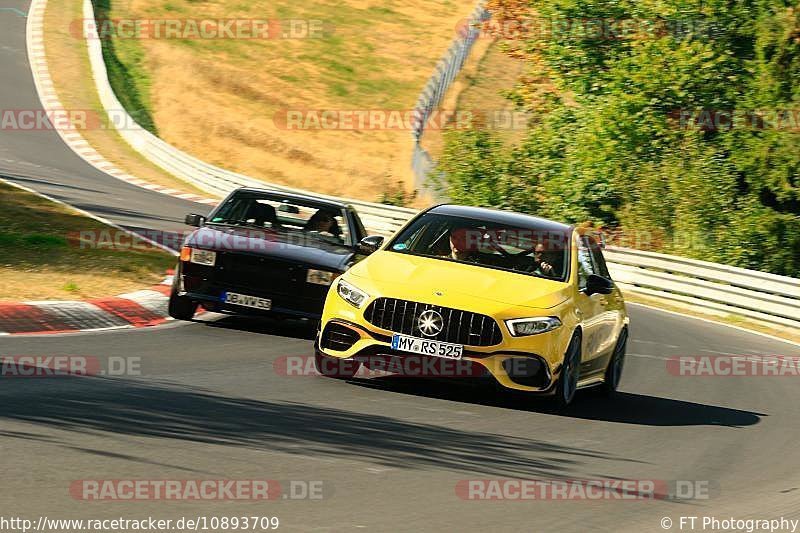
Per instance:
{"type": "Point", "coordinates": [195, 220]}
{"type": "Point", "coordinates": [370, 244]}
{"type": "Point", "coordinates": [598, 285]}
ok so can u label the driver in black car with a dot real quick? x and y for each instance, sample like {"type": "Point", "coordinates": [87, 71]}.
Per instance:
{"type": "Point", "coordinates": [324, 223]}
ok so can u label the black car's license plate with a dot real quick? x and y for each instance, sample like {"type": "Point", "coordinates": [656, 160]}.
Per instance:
{"type": "Point", "coordinates": [245, 300]}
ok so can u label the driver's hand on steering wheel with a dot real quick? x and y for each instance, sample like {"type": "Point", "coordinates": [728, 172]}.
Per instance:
{"type": "Point", "coordinates": [546, 268]}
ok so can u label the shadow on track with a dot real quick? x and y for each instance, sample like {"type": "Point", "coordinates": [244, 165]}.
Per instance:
{"type": "Point", "coordinates": [624, 407]}
{"type": "Point", "coordinates": [93, 405]}
{"type": "Point", "coordinates": [289, 327]}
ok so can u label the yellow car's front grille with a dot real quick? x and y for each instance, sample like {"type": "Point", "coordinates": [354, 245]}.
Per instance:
{"type": "Point", "coordinates": [455, 326]}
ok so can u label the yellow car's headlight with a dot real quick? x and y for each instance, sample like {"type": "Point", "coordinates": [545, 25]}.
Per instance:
{"type": "Point", "coordinates": [351, 294]}
{"type": "Point", "coordinates": [523, 327]}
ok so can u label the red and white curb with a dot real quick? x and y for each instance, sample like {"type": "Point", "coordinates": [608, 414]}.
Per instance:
{"type": "Point", "coordinates": [52, 105]}
{"type": "Point", "coordinates": [133, 310]}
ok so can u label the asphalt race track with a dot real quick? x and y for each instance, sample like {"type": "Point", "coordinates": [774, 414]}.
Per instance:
{"type": "Point", "coordinates": [210, 402]}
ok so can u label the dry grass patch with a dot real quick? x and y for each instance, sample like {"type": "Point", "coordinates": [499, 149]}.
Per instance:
{"type": "Point", "coordinates": [41, 261]}
{"type": "Point", "coordinates": [217, 99]}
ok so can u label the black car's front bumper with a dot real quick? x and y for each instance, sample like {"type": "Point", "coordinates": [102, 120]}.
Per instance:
{"type": "Point", "coordinates": [286, 288]}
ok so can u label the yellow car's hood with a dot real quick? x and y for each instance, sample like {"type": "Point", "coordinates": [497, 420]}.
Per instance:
{"type": "Point", "coordinates": [418, 278]}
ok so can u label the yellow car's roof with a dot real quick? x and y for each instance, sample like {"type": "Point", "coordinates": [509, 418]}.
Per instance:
{"type": "Point", "coordinates": [497, 216]}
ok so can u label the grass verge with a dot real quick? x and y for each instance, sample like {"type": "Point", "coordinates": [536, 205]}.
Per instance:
{"type": "Point", "coordinates": [42, 261]}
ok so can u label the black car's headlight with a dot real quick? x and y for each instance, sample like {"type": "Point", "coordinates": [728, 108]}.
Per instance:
{"type": "Point", "coordinates": [523, 327]}
{"type": "Point", "coordinates": [198, 256]}
{"type": "Point", "coordinates": [320, 277]}
{"type": "Point", "coordinates": [351, 294]}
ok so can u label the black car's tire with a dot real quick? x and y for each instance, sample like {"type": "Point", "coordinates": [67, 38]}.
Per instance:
{"type": "Point", "coordinates": [181, 307]}
{"type": "Point", "coordinates": [334, 367]}
{"type": "Point", "coordinates": [615, 365]}
{"type": "Point", "coordinates": [570, 373]}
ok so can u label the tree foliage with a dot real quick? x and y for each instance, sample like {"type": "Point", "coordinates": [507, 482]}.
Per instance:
{"type": "Point", "coordinates": [684, 129]}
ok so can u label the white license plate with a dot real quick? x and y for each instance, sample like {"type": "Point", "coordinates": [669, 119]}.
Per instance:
{"type": "Point", "coordinates": [404, 343]}
{"type": "Point", "coordinates": [245, 300]}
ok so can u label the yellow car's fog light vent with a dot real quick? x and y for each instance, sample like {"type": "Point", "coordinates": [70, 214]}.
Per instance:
{"type": "Point", "coordinates": [528, 371]}
{"type": "Point", "coordinates": [433, 322]}
{"type": "Point", "coordinates": [338, 337]}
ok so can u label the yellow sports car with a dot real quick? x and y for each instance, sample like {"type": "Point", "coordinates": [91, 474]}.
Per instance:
{"type": "Point", "coordinates": [472, 291]}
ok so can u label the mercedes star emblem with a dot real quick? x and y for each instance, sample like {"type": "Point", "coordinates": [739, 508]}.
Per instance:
{"type": "Point", "coordinates": [430, 323]}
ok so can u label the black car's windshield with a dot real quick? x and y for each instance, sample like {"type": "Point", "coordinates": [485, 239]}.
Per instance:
{"type": "Point", "coordinates": [274, 212]}
{"type": "Point", "coordinates": [538, 251]}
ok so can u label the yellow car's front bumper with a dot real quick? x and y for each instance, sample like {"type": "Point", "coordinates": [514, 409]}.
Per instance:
{"type": "Point", "coordinates": [530, 364]}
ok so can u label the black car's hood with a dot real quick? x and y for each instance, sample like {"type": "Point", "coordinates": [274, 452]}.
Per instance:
{"type": "Point", "coordinates": [288, 246]}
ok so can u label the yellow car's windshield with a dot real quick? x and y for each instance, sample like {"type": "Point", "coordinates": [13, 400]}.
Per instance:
{"type": "Point", "coordinates": [534, 250]}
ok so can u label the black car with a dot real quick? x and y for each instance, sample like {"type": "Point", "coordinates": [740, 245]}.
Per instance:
{"type": "Point", "coordinates": [267, 252]}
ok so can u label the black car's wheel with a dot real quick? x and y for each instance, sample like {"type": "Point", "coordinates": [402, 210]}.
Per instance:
{"type": "Point", "coordinates": [181, 307]}
{"type": "Point", "coordinates": [570, 373]}
{"type": "Point", "coordinates": [334, 367]}
{"type": "Point", "coordinates": [615, 365]}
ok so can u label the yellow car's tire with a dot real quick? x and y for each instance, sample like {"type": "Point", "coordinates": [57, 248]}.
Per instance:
{"type": "Point", "coordinates": [570, 373]}
{"type": "Point", "coordinates": [334, 367]}
{"type": "Point", "coordinates": [615, 365]}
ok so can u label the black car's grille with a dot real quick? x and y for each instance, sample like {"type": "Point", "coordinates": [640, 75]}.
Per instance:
{"type": "Point", "coordinates": [256, 271]}
{"type": "Point", "coordinates": [458, 327]}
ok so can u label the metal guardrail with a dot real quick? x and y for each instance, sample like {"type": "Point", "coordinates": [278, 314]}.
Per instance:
{"type": "Point", "coordinates": [712, 287]}
{"type": "Point", "coordinates": [446, 71]}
